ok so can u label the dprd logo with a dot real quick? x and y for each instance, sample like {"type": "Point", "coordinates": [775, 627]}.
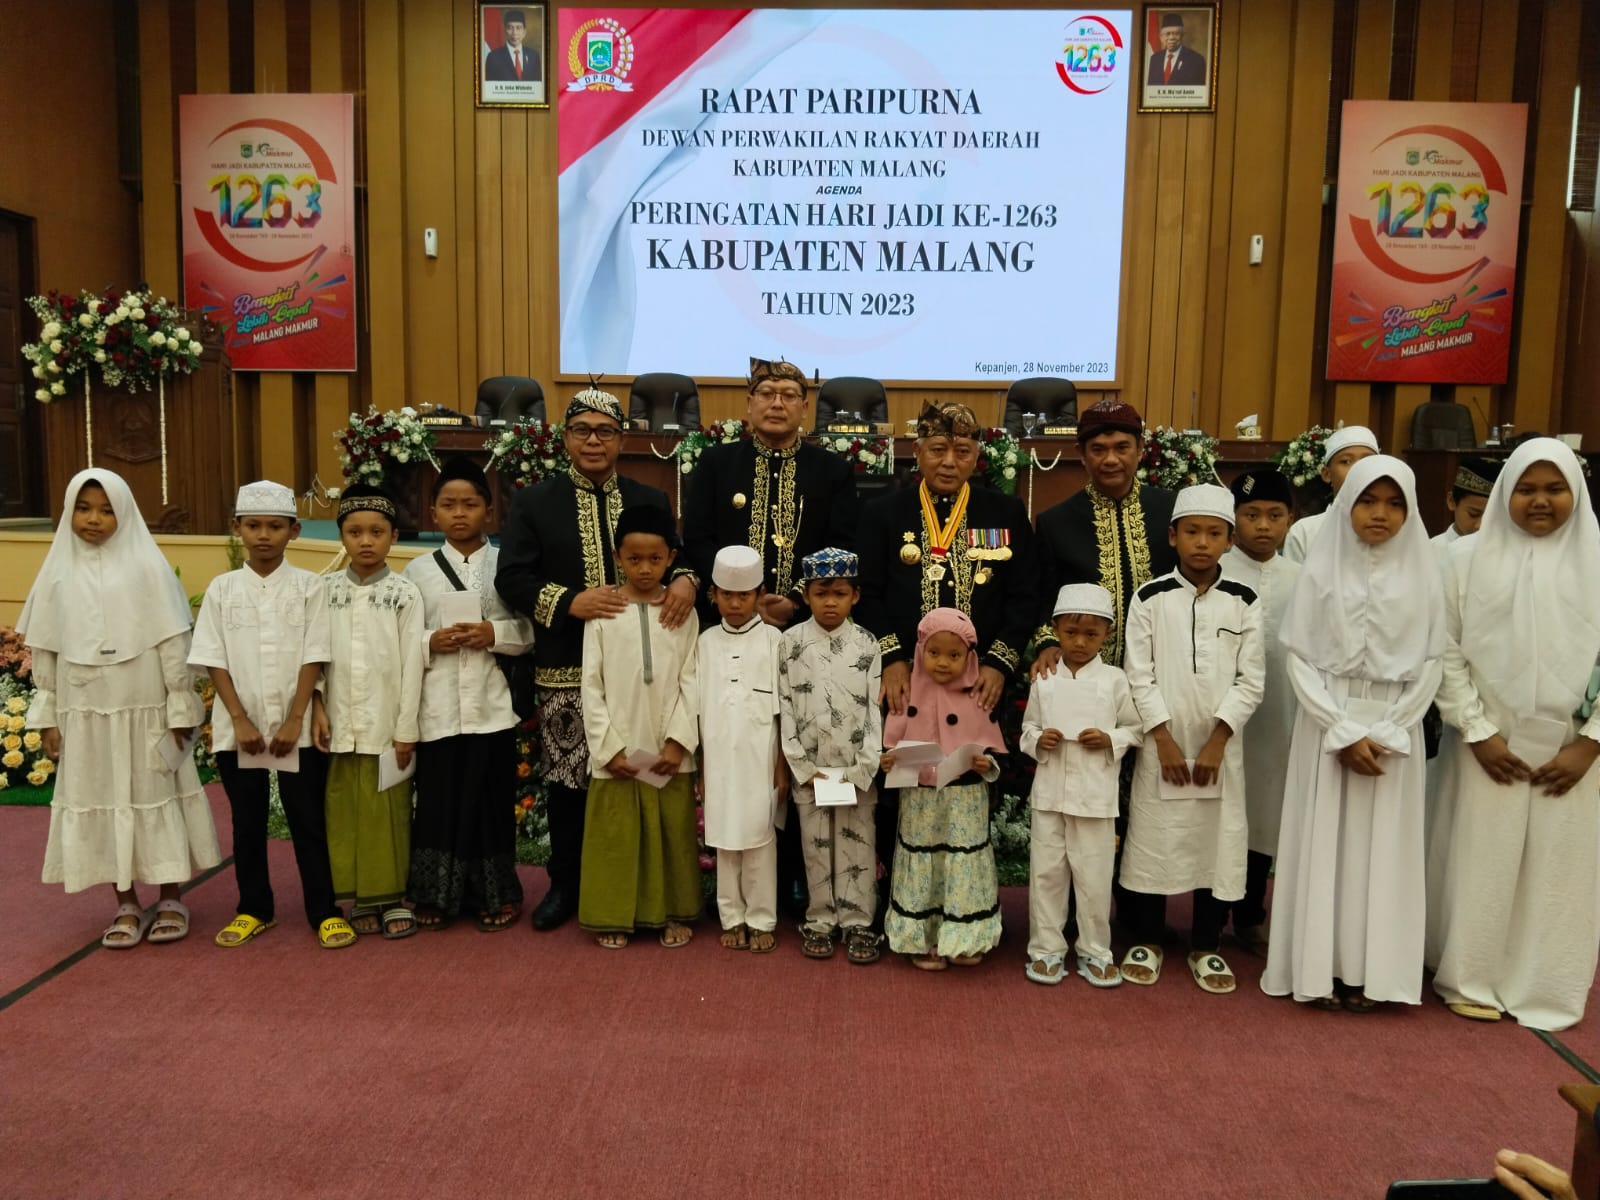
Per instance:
{"type": "Point", "coordinates": [1090, 57]}
{"type": "Point", "coordinates": [1413, 157]}
{"type": "Point", "coordinates": [246, 149]}
{"type": "Point", "coordinates": [600, 55]}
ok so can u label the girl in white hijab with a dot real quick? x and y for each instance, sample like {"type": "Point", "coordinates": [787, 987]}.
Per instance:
{"type": "Point", "coordinates": [1521, 889]}
{"type": "Point", "coordinates": [108, 625]}
{"type": "Point", "coordinates": [1364, 631]}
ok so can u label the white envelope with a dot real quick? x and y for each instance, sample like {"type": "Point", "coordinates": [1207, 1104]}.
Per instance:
{"type": "Point", "coordinates": [268, 761]}
{"type": "Point", "coordinates": [389, 772]}
{"type": "Point", "coordinates": [1536, 740]}
{"type": "Point", "coordinates": [957, 763]}
{"type": "Point", "coordinates": [457, 608]}
{"type": "Point", "coordinates": [909, 759]}
{"type": "Point", "coordinates": [831, 791]}
{"type": "Point", "coordinates": [173, 754]}
{"type": "Point", "coordinates": [1192, 790]}
{"type": "Point", "coordinates": [641, 761]}
{"type": "Point", "coordinates": [1073, 708]}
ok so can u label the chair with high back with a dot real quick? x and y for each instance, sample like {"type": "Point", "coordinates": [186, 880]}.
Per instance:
{"type": "Point", "coordinates": [664, 400]}
{"type": "Point", "coordinates": [510, 398]}
{"type": "Point", "coordinates": [1054, 399]}
{"type": "Point", "coordinates": [845, 395]}
{"type": "Point", "coordinates": [1443, 425]}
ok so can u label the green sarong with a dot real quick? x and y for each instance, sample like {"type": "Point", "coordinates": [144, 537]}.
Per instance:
{"type": "Point", "coordinates": [641, 860]}
{"type": "Point", "coordinates": [369, 832]}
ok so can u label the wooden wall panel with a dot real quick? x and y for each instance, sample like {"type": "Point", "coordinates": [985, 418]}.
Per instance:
{"type": "Point", "coordinates": [384, 248]}
{"type": "Point", "coordinates": [158, 216]}
{"type": "Point", "coordinates": [463, 251]}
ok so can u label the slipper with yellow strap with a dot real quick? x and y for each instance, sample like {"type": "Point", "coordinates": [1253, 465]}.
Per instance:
{"type": "Point", "coordinates": [335, 934]}
{"type": "Point", "coordinates": [241, 929]}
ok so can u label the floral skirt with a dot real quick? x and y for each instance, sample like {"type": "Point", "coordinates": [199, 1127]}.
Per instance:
{"type": "Point", "coordinates": [945, 900]}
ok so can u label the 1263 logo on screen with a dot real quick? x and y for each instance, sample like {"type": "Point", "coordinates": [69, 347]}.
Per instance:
{"type": "Point", "coordinates": [1091, 55]}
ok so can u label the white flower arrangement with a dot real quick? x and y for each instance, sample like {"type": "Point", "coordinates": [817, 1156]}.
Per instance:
{"type": "Point", "coordinates": [1002, 458]}
{"type": "Point", "coordinates": [369, 443]}
{"type": "Point", "coordinates": [1301, 459]}
{"type": "Point", "coordinates": [528, 451]}
{"type": "Point", "coordinates": [870, 455]}
{"type": "Point", "coordinates": [718, 433]}
{"type": "Point", "coordinates": [133, 339]}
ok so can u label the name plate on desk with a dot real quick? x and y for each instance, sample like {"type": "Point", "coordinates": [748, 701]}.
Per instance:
{"type": "Point", "coordinates": [1059, 431]}
{"type": "Point", "coordinates": [852, 429]}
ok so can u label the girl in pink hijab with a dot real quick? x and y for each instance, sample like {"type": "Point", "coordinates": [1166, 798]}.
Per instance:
{"type": "Point", "coordinates": [945, 904]}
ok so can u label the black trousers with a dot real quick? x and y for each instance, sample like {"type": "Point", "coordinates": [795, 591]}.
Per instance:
{"type": "Point", "coordinates": [1146, 918]}
{"type": "Point", "coordinates": [565, 812]}
{"type": "Point", "coordinates": [1252, 910]}
{"type": "Point", "coordinates": [302, 793]}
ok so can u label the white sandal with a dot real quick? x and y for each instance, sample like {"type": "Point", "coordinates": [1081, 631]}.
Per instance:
{"type": "Point", "coordinates": [1205, 964]}
{"type": "Point", "coordinates": [1146, 956]}
{"type": "Point", "coordinates": [1046, 970]}
{"type": "Point", "coordinates": [172, 922]}
{"type": "Point", "coordinates": [1088, 966]}
{"type": "Point", "coordinates": [126, 937]}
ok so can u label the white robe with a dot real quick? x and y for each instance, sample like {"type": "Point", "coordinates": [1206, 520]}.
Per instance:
{"type": "Point", "coordinates": [1266, 747]}
{"type": "Point", "coordinates": [1193, 659]}
{"type": "Point", "coordinates": [1300, 536]}
{"type": "Point", "coordinates": [639, 689]}
{"type": "Point", "coordinates": [1520, 885]}
{"type": "Point", "coordinates": [738, 679]}
{"type": "Point", "coordinates": [1070, 779]}
{"type": "Point", "coordinates": [372, 685]}
{"type": "Point", "coordinates": [1439, 801]}
{"type": "Point", "coordinates": [1349, 893]}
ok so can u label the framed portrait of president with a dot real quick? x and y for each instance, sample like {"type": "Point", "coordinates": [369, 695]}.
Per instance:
{"type": "Point", "coordinates": [513, 55]}
{"type": "Point", "coordinates": [1179, 45]}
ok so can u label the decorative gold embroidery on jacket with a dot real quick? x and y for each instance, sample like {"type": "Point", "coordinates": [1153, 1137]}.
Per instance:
{"type": "Point", "coordinates": [780, 510]}
{"type": "Point", "coordinates": [1003, 652]}
{"type": "Point", "coordinates": [545, 604]}
{"type": "Point", "coordinates": [594, 546]}
{"type": "Point", "coordinates": [558, 677]}
{"type": "Point", "coordinates": [1110, 544]}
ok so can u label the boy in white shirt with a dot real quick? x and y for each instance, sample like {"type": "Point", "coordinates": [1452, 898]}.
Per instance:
{"type": "Point", "coordinates": [262, 634]}
{"type": "Point", "coordinates": [1194, 662]}
{"type": "Point", "coordinates": [740, 760]}
{"type": "Point", "coordinates": [1080, 721]}
{"type": "Point", "coordinates": [463, 836]}
{"type": "Point", "coordinates": [368, 710]}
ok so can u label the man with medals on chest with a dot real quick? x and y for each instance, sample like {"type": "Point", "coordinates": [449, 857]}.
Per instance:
{"type": "Point", "coordinates": [772, 492]}
{"type": "Point", "coordinates": [947, 544]}
{"type": "Point", "coordinates": [1113, 533]}
{"type": "Point", "coordinates": [558, 566]}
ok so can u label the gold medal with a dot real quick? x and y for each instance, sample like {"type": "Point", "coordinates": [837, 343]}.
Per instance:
{"type": "Point", "coordinates": [936, 572]}
{"type": "Point", "coordinates": [777, 540]}
{"type": "Point", "coordinates": [981, 575]}
{"type": "Point", "coordinates": [1003, 554]}
{"type": "Point", "coordinates": [739, 500]}
{"type": "Point", "coordinates": [910, 554]}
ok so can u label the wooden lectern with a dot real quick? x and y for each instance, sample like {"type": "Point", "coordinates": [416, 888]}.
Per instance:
{"type": "Point", "coordinates": [211, 442]}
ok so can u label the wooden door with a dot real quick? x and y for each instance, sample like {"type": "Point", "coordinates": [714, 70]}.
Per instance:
{"type": "Point", "coordinates": [20, 446]}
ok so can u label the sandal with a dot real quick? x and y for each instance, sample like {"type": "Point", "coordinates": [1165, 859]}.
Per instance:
{"type": "Point", "coordinates": [861, 945]}
{"type": "Point", "coordinates": [816, 943]}
{"type": "Point", "coordinates": [335, 934]}
{"type": "Point", "coordinates": [121, 936]}
{"type": "Point", "coordinates": [1357, 1002]}
{"type": "Point", "coordinates": [402, 916]}
{"type": "Point", "coordinates": [1328, 1003]}
{"type": "Point", "coordinates": [1047, 970]}
{"type": "Point", "coordinates": [735, 939]}
{"type": "Point", "coordinates": [611, 941]}
{"type": "Point", "coordinates": [432, 919]}
{"type": "Point", "coordinates": [1212, 973]}
{"type": "Point", "coordinates": [241, 929]}
{"type": "Point", "coordinates": [1142, 965]}
{"type": "Point", "coordinates": [965, 960]}
{"type": "Point", "coordinates": [929, 962]}
{"type": "Point", "coordinates": [503, 917]}
{"type": "Point", "coordinates": [763, 941]}
{"type": "Point", "coordinates": [1101, 972]}
{"type": "Point", "coordinates": [1475, 1012]}
{"type": "Point", "coordinates": [676, 935]}
{"type": "Point", "coordinates": [365, 921]}
{"type": "Point", "coordinates": [172, 922]}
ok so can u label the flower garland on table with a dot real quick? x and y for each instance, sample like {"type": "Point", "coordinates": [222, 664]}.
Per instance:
{"type": "Point", "coordinates": [22, 755]}
{"type": "Point", "coordinates": [368, 444]}
{"type": "Point", "coordinates": [693, 444]}
{"type": "Point", "coordinates": [1176, 458]}
{"type": "Point", "coordinates": [526, 452]}
{"type": "Point", "coordinates": [869, 455]}
{"type": "Point", "coordinates": [134, 338]}
{"type": "Point", "coordinates": [1301, 461]}
{"type": "Point", "coordinates": [1002, 454]}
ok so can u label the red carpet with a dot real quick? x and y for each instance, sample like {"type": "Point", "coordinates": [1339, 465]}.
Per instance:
{"type": "Point", "coordinates": [515, 1064]}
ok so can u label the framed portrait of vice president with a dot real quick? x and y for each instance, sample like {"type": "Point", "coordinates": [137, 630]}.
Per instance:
{"type": "Point", "coordinates": [1179, 71]}
{"type": "Point", "coordinates": [513, 55]}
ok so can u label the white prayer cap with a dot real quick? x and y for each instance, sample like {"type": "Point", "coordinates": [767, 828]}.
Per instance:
{"type": "Point", "coordinates": [1204, 500]}
{"type": "Point", "coordinates": [1089, 599]}
{"type": "Point", "coordinates": [265, 499]}
{"type": "Point", "coordinates": [1350, 435]}
{"type": "Point", "coordinates": [738, 569]}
